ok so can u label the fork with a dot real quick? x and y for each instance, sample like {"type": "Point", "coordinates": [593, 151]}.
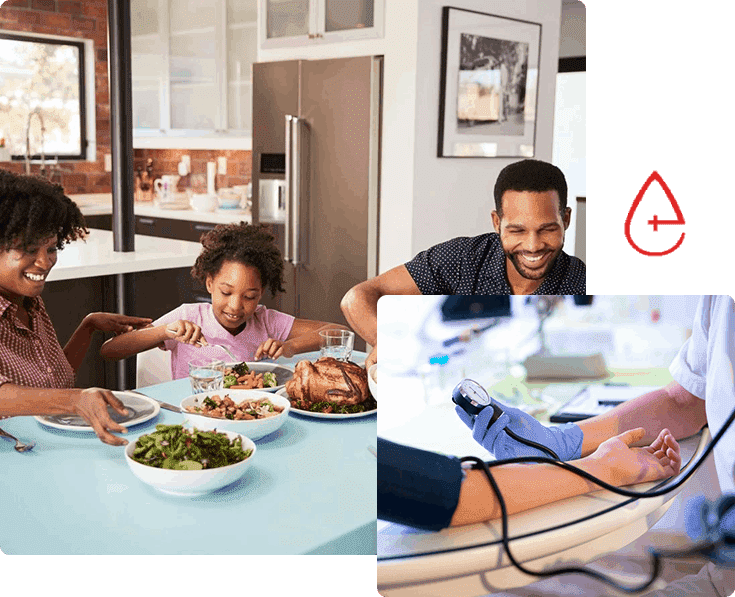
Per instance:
{"type": "Point", "coordinates": [19, 445]}
{"type": "Point", "coordinates": [223, 347]}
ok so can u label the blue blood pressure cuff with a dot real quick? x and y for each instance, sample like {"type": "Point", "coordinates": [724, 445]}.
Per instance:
{"type": "Point", "coordinates": [415, 487]}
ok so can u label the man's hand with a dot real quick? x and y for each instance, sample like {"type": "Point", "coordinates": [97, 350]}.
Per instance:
{"type": "Point", "coordinates": [91, 405]}
{"type": "Point", "coordinates": [627, 465]}
{"type": "Point", "coordinates": [272, 349]}
{"type": "Point", "coordinates": [186, 332]}
{"type": "Point", "coordinates": [372, 358]}
{"type": "Point", "coordinates": [114, 322]}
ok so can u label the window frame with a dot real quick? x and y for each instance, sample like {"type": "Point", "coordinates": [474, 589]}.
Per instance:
{"type": "Point", "coordinates": [83, 124]}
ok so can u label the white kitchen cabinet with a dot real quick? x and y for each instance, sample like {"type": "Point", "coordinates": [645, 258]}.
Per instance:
{"type": "Point", "coordinates": [288, 23]}
{"type": "Point", "coordinates": [191, 72]}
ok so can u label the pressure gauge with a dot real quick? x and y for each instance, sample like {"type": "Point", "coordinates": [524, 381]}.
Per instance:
{"type": "Point", "coordinates": [471, 396]}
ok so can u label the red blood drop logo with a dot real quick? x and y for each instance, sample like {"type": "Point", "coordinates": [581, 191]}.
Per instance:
{"type": "Point", "coordinates": [655, 222]}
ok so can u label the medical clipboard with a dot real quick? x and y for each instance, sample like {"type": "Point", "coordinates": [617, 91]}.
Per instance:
{"type": "Point", "coordinates": [596, 399]}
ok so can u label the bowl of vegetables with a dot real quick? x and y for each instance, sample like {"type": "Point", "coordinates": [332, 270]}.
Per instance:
{"type": "Point", "coordinates": [189, 462]}
{"type": "Point", "coordinates": [269, 377]}
{"type": "Point", "coordinates": [252, 413]}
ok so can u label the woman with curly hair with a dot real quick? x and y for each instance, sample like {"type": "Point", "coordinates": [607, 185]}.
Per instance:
{"type": "Point", "coordinates": [37, 376]}
{"type": "Point", "coordinates": [238, 263]}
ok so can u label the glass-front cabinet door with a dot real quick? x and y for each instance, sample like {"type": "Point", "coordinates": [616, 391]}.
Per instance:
{"type": "Point", "coordinates": [149, 32]}
{"type": "Point", "coordinates": [242, 51]}
{"type": "Point", "coordinates": [305, 22]}
{"type": "Point", "coordinates": [192, 63]}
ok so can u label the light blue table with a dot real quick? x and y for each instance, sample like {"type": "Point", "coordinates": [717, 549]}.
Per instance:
{"type": "Point", "coordinates": [310, 490]}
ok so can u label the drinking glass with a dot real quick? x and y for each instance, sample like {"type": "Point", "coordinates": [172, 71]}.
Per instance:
{"type": "Point", "coordinates": [337, 344]}
{"type": "Point", "coordinates": [206, 375]}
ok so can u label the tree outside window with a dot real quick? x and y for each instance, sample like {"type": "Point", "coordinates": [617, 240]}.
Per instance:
{"type": "Point", "coordinates": [46, 77]}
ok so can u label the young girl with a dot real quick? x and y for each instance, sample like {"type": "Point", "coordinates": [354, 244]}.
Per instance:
{"type": "Point", "coordinates": [238, 263]}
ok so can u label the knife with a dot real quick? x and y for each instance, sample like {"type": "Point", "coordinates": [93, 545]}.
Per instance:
{"type": "Point", "coordinates": [161, 403]}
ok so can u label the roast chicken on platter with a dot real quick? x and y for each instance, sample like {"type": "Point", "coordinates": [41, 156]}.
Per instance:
{"type": "Point", "coordinates": [328, 379]}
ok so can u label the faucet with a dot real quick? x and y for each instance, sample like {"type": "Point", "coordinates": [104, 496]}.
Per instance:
{"type": "Point", "coordinates": [37, 112]}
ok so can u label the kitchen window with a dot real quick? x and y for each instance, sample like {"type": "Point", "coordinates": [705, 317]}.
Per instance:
{"type": "Point", "coordinates": [42, 97]}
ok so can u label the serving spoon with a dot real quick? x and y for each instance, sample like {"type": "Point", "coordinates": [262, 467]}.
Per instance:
{"type": "Point", "coordinates": [19, 445]}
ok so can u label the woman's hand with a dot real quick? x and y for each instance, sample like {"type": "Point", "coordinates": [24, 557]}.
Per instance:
{"type": "Point", "coordinates": [626, 465]}
{"type": "Point", "coordinates": [91, 405]}
{"type": "Point", "coordinates": [114, 322]}
{"type": "Point", "coordinates": [272, 349]}
{"type": "Point", "coordinates": [186, 332]}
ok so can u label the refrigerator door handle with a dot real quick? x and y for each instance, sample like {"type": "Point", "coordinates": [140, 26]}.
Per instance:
{"type": "Point", "coordinates": [289, 190]}
{"type": "Point", "coordinates": [299, 187]}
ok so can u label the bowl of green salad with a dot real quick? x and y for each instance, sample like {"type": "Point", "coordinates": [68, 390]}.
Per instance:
{"type": "Point", "coordinates": [189, 461]}
{"type": "Point", "coordinates": [253, 413]}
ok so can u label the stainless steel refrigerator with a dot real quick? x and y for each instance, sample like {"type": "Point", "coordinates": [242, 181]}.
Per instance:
{"type": "Point", "coordinates": [316, 156]}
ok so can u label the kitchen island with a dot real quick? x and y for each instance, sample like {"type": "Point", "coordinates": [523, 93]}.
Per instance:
{"type": "Point", "coordinates": [84, 281]}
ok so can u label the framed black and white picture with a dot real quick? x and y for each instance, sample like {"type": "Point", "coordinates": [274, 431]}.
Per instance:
{"type": "Point", "coordinates": [489, 85]}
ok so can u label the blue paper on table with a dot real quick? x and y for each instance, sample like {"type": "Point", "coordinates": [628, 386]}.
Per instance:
{"type": "Point", "coordinates": [595, 400]}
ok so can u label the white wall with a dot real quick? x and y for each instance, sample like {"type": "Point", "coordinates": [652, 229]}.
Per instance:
{"type": "Point", "coordinates": [453, 196]}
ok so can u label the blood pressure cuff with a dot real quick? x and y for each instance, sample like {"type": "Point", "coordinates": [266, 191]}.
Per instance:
{"type": "Point", "coordinates": [415, 487]}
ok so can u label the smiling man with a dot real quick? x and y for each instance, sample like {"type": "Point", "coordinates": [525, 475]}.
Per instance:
{"type": "Point", "coordinates": [523, 256]}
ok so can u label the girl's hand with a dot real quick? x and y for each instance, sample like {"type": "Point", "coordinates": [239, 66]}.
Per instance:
{"type": "Point", "coordinates": [186, 332]}
{"type": "Point", "coordinates": [272, 349]}
{"type": "Point", "coordinates": [114, 322]}
{"type": "Point", "coordinates": [628, 465]}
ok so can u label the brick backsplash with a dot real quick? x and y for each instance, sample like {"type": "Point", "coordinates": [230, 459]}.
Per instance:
{"type": "Point", "coordinates": [165, 161]}
{"type": "Point", "coordinates": [88, 20]}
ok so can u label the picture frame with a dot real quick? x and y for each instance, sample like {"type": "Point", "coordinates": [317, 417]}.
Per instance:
{"type": "Point", "coordinates": [489, 85]}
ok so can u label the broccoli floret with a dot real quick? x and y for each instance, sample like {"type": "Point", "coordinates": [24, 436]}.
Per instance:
{"type": "Point", "coordinates": [230, 380]}
{"type": "Point", "coordinates": [269, 380]}
{"type": "Point", "coordinates": [241, 369]}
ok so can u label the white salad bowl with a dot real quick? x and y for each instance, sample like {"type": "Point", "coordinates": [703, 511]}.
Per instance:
{"type": "Point", "coordinates": [191, 483]}
{"type": "Point", "coordinates": [254, 429]}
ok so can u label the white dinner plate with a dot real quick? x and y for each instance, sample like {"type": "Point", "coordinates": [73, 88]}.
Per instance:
{"type": "Point", "coordinates": [283, 372]}
{"type": "Point", "coordinates": [308, 413]}
{"type": "Point", "coordinates": [140, 409]}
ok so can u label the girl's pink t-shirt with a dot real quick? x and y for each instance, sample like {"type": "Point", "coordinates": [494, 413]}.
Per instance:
{"type": "Point", "coordinates": [265, 323]}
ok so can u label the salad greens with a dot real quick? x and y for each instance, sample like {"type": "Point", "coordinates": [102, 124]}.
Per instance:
{"type": "Point", "coordinates": [327, 406]}
{"type": "Point", "coordinates": [173, 447]}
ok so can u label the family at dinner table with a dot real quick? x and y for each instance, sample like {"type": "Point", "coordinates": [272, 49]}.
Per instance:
{"type": "Point", "coordinates": [238, 263]}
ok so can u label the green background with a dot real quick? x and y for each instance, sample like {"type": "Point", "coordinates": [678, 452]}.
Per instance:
{"type": "Point", "coordinates": [661, 99]}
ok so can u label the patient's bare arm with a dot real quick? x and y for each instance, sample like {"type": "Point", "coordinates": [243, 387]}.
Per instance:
{"type": "Point", "coordinates": [614, 462]}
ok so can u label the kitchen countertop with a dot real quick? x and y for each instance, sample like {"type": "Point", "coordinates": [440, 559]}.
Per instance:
{"type": "Point", "coordinates": [99, 204]}
{"type": "Point", "coordinates": [94, 256]}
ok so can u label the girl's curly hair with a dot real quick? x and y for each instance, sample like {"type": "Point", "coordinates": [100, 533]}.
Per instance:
{"type": "Point", "coordinates": [33, 209]}
{"type": "Point", "coordinates": [241, 243]}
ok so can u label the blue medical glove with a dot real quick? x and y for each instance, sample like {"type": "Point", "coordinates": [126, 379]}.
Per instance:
{"type": "Point", "coordinates": [713, 522]}
{"type": "Point", "coordinates": [565, 440]}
